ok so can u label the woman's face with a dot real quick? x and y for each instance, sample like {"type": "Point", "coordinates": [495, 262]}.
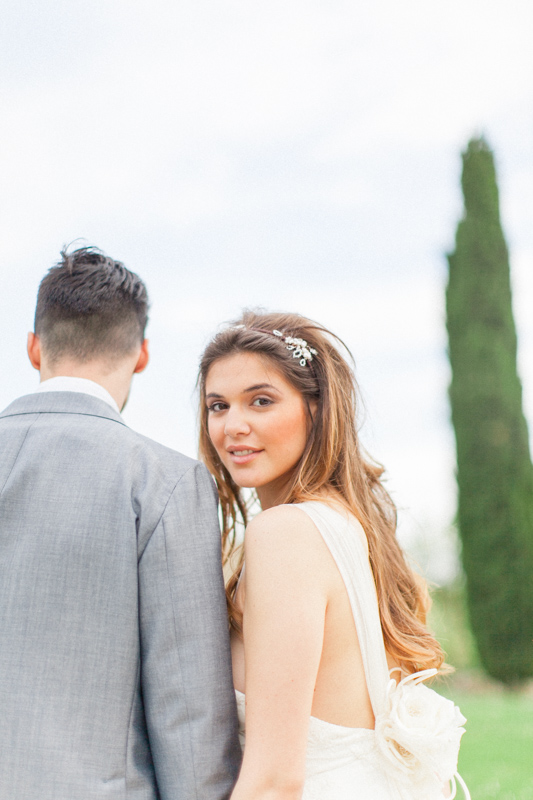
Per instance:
{"type": "Point", "coordinates": [258, 422]}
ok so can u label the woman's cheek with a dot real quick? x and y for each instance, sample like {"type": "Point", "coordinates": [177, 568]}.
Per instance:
{"type": "Point", "coordinates": [214, 430]}
{"type": "Point", "coordinates": [291, 433]}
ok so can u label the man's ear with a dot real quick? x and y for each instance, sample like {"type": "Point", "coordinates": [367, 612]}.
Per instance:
{"type": "Point", "coordinates": [144, 357]}
{"type": "Point", "coordinates": [34, 350]}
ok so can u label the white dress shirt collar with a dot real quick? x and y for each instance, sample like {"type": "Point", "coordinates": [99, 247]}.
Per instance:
{"type": "Point", "coordinates": [63, 383]}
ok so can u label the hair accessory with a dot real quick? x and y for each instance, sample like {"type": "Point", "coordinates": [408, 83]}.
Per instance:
{"type": "Point", "coordinates": [299, 348]}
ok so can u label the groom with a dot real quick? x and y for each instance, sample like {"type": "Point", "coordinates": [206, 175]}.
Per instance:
{"type": "Point", "coordinates": [115, 678]}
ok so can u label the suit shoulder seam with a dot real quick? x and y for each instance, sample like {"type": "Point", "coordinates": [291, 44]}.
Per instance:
{"type": "Point", "coordinates": [18, 452]}
{"type": "Point", "coordinates": [170, 494]}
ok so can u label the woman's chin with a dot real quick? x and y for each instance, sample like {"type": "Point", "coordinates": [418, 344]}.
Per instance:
{"type": "Point", "coordinates": [245, 484]}
{"type": "Point", "coordinates": [242, 481]}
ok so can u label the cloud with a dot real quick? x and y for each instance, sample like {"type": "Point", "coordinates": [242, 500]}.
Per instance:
{"type": "Point", "coordinates": [302, 155]}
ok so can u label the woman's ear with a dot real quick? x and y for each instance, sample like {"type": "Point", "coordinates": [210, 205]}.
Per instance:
{"type": "Point", "coordinates": [312, 406]}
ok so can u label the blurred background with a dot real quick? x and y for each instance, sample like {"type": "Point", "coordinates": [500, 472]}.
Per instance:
{"type": "Point", "coordinates": [293, 155]}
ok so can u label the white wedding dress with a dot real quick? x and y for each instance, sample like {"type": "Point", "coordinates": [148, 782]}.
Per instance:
{"type": "Point", "coordinates": [358, 763]}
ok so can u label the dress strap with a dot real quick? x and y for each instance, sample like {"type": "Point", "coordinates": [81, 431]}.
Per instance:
{"type": "Point", "coordinates": [344, 539]}
{"type": "Point", "coordinates": [410, 758]}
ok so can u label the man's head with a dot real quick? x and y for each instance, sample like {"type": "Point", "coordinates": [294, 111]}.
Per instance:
{"type": "Point", "coordinates": [90, 307]}
{"type": "Point", "coordinates": [90, 318]}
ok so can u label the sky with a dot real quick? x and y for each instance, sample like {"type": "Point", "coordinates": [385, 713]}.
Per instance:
{"type": "Point", "coordinates": [300, 156]}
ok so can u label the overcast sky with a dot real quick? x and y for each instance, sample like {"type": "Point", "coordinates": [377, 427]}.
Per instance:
{"type": "Point", "coordinates": [293, 155]}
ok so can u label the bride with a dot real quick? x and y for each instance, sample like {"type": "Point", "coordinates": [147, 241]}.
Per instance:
{"type": "Point", "coordinates": [329, 641]}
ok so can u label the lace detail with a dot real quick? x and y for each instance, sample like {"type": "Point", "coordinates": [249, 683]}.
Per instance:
{"type": "Point", "coordinates": [332, 746]}
{"type": "Point", "coordinates": [329, 746]}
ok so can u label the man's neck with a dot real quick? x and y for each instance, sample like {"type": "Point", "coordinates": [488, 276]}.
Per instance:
{"type": "Point", "coordinates": [116, 381]}
{"type": "Point", "coordinates": [62, 383]}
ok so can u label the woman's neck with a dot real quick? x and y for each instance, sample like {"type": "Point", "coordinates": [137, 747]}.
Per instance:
{"type": "Point", "coordinates": [274, 495]}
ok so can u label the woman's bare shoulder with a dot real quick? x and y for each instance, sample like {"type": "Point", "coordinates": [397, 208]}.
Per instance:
{"type": "Point", "coordinates": [285, 530]}
{"type": "Point", "coordinates": [283, 518]}
{"type": "Point", "coordinates": [286, 556]}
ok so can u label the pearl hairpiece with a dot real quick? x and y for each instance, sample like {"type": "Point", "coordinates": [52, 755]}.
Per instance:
{"type": "Point", "coordinates": [299, 347]}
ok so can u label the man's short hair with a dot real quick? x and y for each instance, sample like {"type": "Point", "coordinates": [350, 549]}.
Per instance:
{"type": "Point", "coordinates": [90, 306]}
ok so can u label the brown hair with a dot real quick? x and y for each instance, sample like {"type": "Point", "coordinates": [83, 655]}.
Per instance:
{"type": "Point", "coordinates": [88, 306]}
{"type": "Point", "coordinates": [333, 461]}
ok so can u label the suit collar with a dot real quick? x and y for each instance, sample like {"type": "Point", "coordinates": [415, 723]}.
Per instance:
{"type": "Point", "coordinates": [62, 403]}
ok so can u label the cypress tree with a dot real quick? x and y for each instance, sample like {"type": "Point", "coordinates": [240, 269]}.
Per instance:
{"type": "Point", "coordinates": [494, 470]}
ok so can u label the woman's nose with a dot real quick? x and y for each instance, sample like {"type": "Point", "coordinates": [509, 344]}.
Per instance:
{"type": "Point", "coordinates": [235, 423]}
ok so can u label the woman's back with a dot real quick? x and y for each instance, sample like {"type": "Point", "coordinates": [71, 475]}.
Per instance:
{"type": "Point", "coordinates": [345, 757]}
{"type": "Point", "coordinates": [340, 695]}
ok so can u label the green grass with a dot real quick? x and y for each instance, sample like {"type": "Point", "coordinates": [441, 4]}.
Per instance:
{"type": "Point", "coordinates": [496, 758]}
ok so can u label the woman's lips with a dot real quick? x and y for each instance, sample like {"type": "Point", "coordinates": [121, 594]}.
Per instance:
{"type": "Point", "coordinates": [243, 455]}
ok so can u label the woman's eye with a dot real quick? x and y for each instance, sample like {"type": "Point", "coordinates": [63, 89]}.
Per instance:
{"type": "Point", "coordinates": [216, 407]}
{"type": "Point", "coordinates": [262, 401]}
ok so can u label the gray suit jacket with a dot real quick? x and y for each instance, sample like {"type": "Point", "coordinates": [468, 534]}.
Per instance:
{"type": "Point", "coordinates": [115, 677]}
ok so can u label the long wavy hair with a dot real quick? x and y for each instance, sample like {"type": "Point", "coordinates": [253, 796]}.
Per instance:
{"type": "Point", "coordinates": [333, 462]}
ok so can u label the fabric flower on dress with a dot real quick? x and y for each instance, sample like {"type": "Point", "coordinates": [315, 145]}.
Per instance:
{"type": "Point", "coordinates": [419, 733]}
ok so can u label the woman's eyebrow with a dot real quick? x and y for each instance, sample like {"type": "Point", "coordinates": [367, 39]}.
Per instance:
{"type": "Point", "coordinates": [253, 388]}
{"type": "Point", "coordinates": [260, 386]}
